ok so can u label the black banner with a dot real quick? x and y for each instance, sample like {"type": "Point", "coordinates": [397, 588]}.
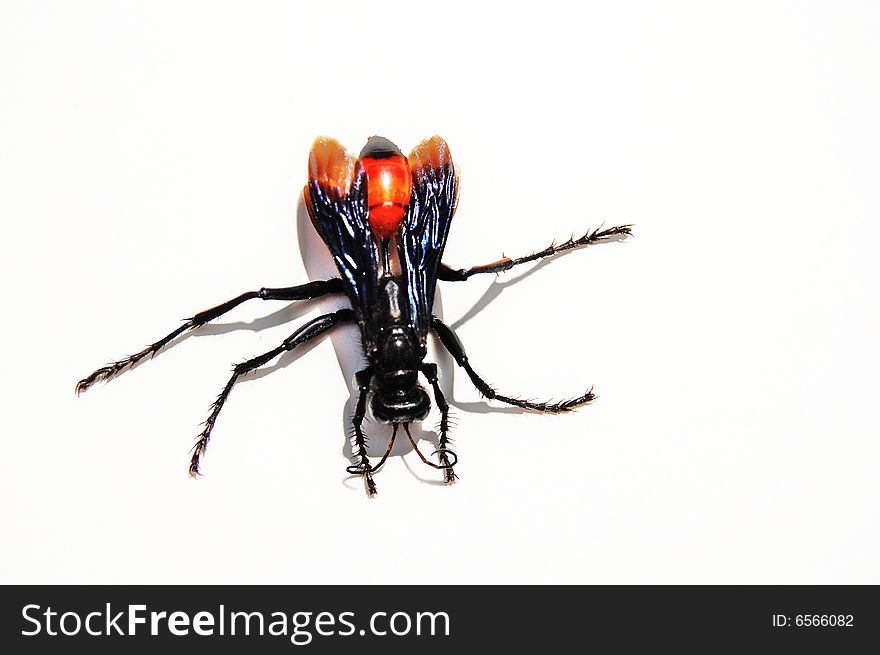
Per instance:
{"type": "Point", "coordinates": [421, 619]}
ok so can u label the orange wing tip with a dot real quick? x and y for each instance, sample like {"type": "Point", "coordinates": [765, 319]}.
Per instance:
{"type": "Point", "coordinates": [330, 165]}
{"type": "Point", "coordinates": [430, 153]}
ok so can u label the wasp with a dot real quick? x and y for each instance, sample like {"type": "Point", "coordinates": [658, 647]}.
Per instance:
{"type": "Point", "coordinates": [385, 219]}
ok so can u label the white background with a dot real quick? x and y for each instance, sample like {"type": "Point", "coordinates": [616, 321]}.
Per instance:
{"type": "Point", "coordinates": [151, 161]}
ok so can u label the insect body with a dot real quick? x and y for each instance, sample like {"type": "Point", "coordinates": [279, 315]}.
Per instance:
{"type": "Point", "coordinates": [385, 219]}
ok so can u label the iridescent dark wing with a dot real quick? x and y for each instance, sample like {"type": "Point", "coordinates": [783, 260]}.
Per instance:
{"type": "Point", "coordinates": [336, 199]}
{"type": "Point", "coordinates": [426, 226]}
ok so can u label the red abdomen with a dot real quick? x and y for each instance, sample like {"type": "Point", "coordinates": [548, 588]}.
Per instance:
{"type": "Point", "coordinates": [389, 185]}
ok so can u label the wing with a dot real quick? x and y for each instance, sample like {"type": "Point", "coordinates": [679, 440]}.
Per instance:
{"type": "Point", "coordinates": [336, 199]}
{"type": "Point", "coordinates": [433, 202]}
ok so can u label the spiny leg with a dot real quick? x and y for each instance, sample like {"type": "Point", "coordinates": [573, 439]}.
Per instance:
{"type": "Point", "coordinates": [443, 451]}
{"type": "Point", "coordinates": [505, 263]}
{"type": "Point", "coordinates": [300, 292]}
{"type": "Point", "coordinates": [363, 467]}
{"type": "Point", "coordinates": [451, 342]}
{"type": "Point", "coordinates": [309, 331]}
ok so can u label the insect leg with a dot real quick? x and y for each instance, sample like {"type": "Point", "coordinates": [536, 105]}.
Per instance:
{"type": "Point", "coordinates": [360, 440]}
{"type": "Point", "coordinates": [443, 450]}
{"type": "Point", "coordinates": [451, 342]}
{"type": "Point", "coordinates": [307, 332]}
{"type": "Point", "coordinates": [300, 292]}
{"type": "Point", "coordinates": [505, 263]}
